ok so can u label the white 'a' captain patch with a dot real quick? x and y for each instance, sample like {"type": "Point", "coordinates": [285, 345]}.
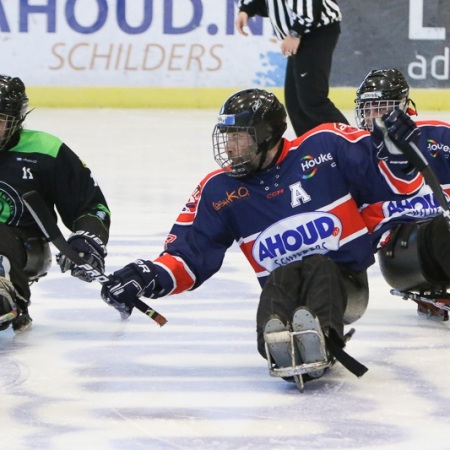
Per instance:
{"type": "Point", "coordinates": [298, 194]}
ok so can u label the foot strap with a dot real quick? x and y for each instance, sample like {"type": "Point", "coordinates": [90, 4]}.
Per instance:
{"type": "Point", "coordinates": [350, 363]}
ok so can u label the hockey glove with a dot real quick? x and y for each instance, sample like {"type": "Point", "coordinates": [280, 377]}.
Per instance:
{"type": "Point", "coordinates": [401, 129]}
{"type": "Point", "coordinates": [134, 280]}
{"type": "Point", "coordinates": [405, 134]}
{"type": "Point", "coordinates": [382, 141]}
{"type": "Point", "coordinates": [90, 248]}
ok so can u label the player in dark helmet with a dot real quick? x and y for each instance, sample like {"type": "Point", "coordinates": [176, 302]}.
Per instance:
{"type": "Point", "coordinates": [288, 206]}
{"type": "Point", "coordinates": [13, 109]}
{"type": "Point", "coordinates": [251, 122]}
{"type": "Point", "coordinates": [409, 234]}
{"type": "Point", "coordinates": [382, 91]}
{"type": "Point", "coordinates": [36, 161]}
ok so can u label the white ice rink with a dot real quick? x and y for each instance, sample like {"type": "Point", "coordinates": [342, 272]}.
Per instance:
{"type": "Point", "coordinates": [83, 379]}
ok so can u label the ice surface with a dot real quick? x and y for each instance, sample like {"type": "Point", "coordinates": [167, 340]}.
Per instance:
{"type": "Point", "coordinates": [84, 379]}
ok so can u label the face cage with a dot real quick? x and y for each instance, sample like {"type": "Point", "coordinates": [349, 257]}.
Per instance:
{"type": "Point", "coordinates": [236, 155]}
{"type": "Point", "coordinates": [367, 111]}
{"type": "Point", "coordinates": [8, 127]}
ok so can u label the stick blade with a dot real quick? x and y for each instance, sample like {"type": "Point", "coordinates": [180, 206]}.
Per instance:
{"type": "Point", "coordinates": [159, 319]}
{"type": "Point", "coordinates": [150, 312]}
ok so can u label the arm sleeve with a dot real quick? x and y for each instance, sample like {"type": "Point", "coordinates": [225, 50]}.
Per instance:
{"type": "Point", "coordinates": [77, 196]}
{"type": "Point", "coordinates": [306, 16]}
{"type": "Point", "coordinates": [253, 7]}
{"type": "Point", "coordinates": [195, 247]}
{"type": "Point", "coordinates": [294, 22]}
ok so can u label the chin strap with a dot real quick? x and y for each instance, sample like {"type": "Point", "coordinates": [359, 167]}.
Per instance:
{"type": "Point", "coordinates": [274, 159]}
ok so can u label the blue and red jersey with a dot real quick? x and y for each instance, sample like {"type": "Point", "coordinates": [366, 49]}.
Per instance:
{"type": "Point", "coordinates": [307, 203]}
{"type": "Point", "coordinates": [382, 216]}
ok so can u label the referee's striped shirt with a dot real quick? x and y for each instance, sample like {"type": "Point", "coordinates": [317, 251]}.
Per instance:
{"type": "Point", "coordinates": [294, 17]}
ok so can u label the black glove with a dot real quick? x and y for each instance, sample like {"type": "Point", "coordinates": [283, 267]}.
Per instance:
{"type": "Point", "coordinates": [90, 248]}
{"type": "Point", "coordinates": [383, 143]}
{"type": "Point", "coordinates": [405, 135]}
{"type": "Point", "coordinates": [135, 279]}
{"type": "Point", "coordinates": [401, 129]}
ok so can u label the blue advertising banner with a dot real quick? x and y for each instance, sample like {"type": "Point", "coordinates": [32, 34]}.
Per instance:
{"type": "Point", "coordinates": [192, 45]}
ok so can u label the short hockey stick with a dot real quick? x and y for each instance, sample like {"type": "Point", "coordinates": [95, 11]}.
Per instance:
{"type": "Point", "coordinates": [47, 223]}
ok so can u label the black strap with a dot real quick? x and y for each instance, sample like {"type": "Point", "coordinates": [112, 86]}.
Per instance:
{"type": "Point", "coordinates": [350, 363]}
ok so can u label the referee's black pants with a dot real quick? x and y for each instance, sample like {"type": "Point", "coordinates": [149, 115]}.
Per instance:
{"type": "Point", "coordinates": [307, 78]}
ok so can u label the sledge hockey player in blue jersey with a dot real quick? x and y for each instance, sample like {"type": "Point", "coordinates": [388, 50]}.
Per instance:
{"type": "Point", "coordinates": [37, 161]}
{"type": "Point", "coordinates": [410, 234]}
{"type": "Point", "coordinates": [288, 206]}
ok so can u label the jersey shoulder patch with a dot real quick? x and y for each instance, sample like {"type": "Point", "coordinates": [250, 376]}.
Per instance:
{"type": "Point", "coordinates": [38, 142]}
{"type": "Point", "coordinates": [189, 211]}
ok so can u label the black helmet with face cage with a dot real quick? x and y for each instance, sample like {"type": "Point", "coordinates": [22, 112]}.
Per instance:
{"type": "Point", "coordinates": [13, 108]}
{"type": "Point", "coordinates": [381, 88]}
{"type": "Point", "coordinates": [256, 112]}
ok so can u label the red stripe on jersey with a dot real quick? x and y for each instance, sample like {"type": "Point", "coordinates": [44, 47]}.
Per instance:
{"type": "Point", "coordinates": [398, 185]}
{"type": "Point", "coordinates": [436, 123]}
{"type": "Point", "coordinates": [348, 132]}
{"type": "Point", "coordinates": [185, 218]}
{"type": "Point", "coordinates": [373, 215]}
{"type": "Point", "coordinates": [352, 222]}
{"type": "Point", "coordinates": [247, 248]}
{"type": "Point", "coordinates": [182, 276]}
{"type": "Point", "coordinates": [345, 209]}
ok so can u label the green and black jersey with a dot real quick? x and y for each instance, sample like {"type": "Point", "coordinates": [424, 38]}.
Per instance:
{"type": "Point", "coordinates": [43, 163]}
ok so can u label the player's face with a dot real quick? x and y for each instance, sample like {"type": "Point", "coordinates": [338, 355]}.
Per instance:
{"type": "Point", "coordinates": [372, 110]}
{"type": "Point", "coordinates": [238, 143]}
{"type": "Point", "coordinates": [241, 149]}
